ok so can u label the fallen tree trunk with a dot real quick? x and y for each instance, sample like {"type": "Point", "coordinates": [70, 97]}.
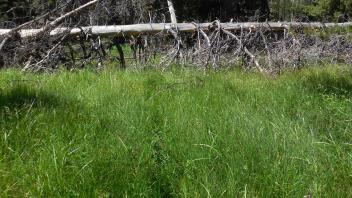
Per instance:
{"type": "Point", "coordinates": [8, 33]}
{"type": "Point", "coordinates": [137, 29]}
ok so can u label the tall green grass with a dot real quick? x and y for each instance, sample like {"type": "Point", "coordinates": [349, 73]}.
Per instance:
{"type": "Point", "coordinates": [181, 133]}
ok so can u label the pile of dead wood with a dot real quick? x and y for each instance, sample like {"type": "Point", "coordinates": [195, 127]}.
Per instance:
{"type": "Point", "coordinates": [268, 46]}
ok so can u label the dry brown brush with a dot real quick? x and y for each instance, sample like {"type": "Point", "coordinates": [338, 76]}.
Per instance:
{"type": "Point", "coordinates": [64, 42]}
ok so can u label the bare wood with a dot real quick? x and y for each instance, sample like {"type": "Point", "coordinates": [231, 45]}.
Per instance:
{"type": "Point", "coordinates": [63, 17]}
{"type": "Point", "coordinates": [205, 37]}
{"type": "Point", "coordinates": [32, 21]}
{"type": "Point", "coordinates": [172, 12]}
{"type": "Point", "coordinates": [267, 48]}
{"type": "Point", "coordinates": [53, 24]}
{"type": "Point", "coordinates": [14, 30]}
{"type": "Point", "coordinates": [154, 28]}
{"type": "Point", "coordinates": [255, 61]}
{"type": "Point", "coordinates": [208, 45]}
{"type": "Point", "coordinates": [37, 65]}
{"type": "Point", "coordinates": [2, 44]}
{"type": "Point", "coordinates": [251, 55]}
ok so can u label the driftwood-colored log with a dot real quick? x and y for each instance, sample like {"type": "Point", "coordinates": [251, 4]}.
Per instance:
{"type": "Point", "coordinates": [172, 12]}
{"type": "Point", "coordinates": [31, 33]}
{"type": "Point", "coordinates": [153, 28]}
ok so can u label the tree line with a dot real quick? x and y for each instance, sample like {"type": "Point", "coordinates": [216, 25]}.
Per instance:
{"type": "Point", "coordinates": [143, 11]}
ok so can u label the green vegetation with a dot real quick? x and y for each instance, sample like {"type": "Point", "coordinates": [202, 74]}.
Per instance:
{"type": "Point", "coordinates": [328, 9]}
{"type": "Point", "coordinates": [180, 133]}
{"type": "Point", "coordinates": [314, 10]}
{"type": "Point", "coordinates": [20, 11]}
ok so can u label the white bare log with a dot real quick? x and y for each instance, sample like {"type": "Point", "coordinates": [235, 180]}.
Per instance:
{"type": "Point", "coordinates": [14, 30]}
{"type": "Point", "coordinates": [53, 24]}
{"type": "Point", "coordinates": [153, 28]}
{"type": "Point", "coordinates": [172, 12]}
{"type": "Point", "coordinates": [77, 10]}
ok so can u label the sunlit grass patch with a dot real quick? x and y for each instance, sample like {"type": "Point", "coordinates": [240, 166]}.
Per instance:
{"type": "Point", "coordinates": [181, 133]}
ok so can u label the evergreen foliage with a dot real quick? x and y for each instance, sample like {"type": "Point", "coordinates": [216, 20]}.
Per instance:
{"type": "Point", "coordinates": [133, 11]}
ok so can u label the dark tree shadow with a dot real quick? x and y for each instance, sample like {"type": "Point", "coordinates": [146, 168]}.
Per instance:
{"type": "Point", "coordinates": [20, 96]}
{"type": "Point", "coordinates": [330, 83]}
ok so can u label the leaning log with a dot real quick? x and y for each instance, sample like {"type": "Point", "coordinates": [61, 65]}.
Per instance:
{"type": "Point", "coordinates": [47, 27]}
{"type": "Point", "coordinates": [172, 12]}
{"type": "Point", "coordinates": [153, 28]}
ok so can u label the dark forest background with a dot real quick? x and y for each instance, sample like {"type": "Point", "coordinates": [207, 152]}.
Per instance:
{"type": "Point", "coordinates": [14, 12]}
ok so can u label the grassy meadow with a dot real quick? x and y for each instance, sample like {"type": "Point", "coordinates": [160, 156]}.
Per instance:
{"type": "Point", "coordinates": [180, 133]}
